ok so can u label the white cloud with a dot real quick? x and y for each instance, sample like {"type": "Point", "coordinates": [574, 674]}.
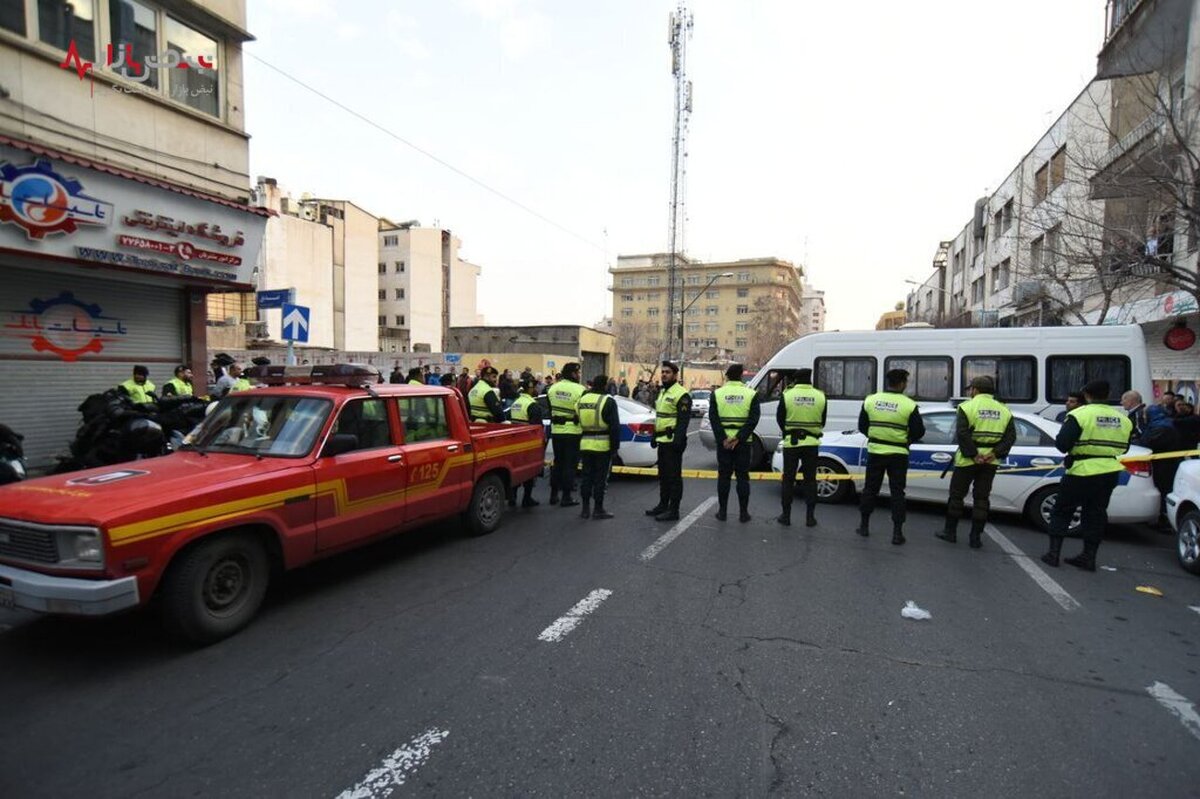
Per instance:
{"type": "Point", "coordinates": [521, 28]}
{"type": "Point", "coordinates": [348, 31]}
{"type": "Point", "coordinates": [402, 30]}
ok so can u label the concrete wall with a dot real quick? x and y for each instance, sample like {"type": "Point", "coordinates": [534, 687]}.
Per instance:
{"type": "Point", "coordinates": [425, 280]}
{"type": "Point", "coordinates": [361, 303]}
{"type": "Point", "coordinates": [464, 294]}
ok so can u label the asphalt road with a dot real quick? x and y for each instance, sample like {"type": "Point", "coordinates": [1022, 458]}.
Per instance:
{"type": "Point", "coordinates": [739, 660]}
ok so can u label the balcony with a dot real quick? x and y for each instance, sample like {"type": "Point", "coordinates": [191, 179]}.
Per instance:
{"type": "Point", "coordinates": [1143, 36]}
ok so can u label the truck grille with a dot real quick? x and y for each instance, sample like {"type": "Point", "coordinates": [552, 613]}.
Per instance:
{"type": "Point", "coordinates": [21, 543]}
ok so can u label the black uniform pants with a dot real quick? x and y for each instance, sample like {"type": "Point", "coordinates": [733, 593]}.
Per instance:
{"type": "Point", "coordinates": [961, 480]}
{"type": "Point", "coordinates": [804, 458]}
{"type": "Point", "coordinates": [896, 468]}
{"type": "Point", "coordinates": [594, 479]}
{"type": "Point", "coordinates": [728, 462]}
{"type": "Point", "coordinates": [1090, 494]}
{"type": "Point", "coordinates": [670, 476]}
{"type": "Point", "coordinates": [566, 461]}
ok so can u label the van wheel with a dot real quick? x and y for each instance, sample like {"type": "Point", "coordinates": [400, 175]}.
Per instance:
{"type": "Point", "coordinates": [1041, 505]}
{"type": "Point", "coordinates": [487, 506]}
{"type": "Point", "coordinates": [1188, 542]}
{"type": "Point", "coordinates": [215, 588]}
{"type": "Point", "coordinates": [835, 490]}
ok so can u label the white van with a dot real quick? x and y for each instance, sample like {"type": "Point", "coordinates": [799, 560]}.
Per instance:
{"type": "Point", "coordinates": [1034, 368]}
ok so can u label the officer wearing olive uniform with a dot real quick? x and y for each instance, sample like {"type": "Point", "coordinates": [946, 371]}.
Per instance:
{"type": "Point", "coordinates": [801, 418]}
{"type": "Point", "coordinates": [1094, 436]}
{"type": "Point", "coordinates": [891, 422]}
{"type": "Point", "coordinates": [526, 410]}
{"type": "Point", "coordinates": [180, 385]}
{"type": "Point", "coordinates": [138, 388]}
{"type": "Point", "coordinates": [672, 414]}
{"type": "Point", "coordinates": [565, 433]}
{"type": "Point", "coordinates": [484, 397]}
{"type": "Point", "coordinates": [733, 415]}
{"type": "Point", "coordinates": [597, 414]}
{"type": "Point", "coordinates": [985, 432]}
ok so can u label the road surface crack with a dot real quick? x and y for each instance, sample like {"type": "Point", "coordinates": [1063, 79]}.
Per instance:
{"type": "Point", "coordinates": [778, 725]}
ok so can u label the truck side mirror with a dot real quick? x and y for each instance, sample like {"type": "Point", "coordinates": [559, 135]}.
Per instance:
{"type": "Point", "coordinates": [339, 443]}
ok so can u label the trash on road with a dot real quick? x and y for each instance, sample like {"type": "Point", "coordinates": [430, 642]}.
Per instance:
{"type": "Point", "coordinates": [1149, 589]}
{"type": "Point", "coordinates": [1108, 568]}
{"type": "Point", "coordinates": [911, 611]}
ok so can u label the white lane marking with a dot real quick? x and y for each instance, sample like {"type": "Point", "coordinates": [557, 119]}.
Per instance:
{"type": "Point", "coordinates": [1056, 591]}
{"type": "Point", "coordinates": [1179, 705]}
{"type": "Point", "coordinates": [396, 768]}
{"type": "Point", "coordinates": [678, 530]}
{"type": "Point", "coordinates": [564, 624]}
{"type": "Point", "coordinates": [1194, 607]}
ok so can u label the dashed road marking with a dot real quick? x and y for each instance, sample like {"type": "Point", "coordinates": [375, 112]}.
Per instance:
{"type": "Point", "coordinates": [564, 624]}
{"type": "Point", "coordinates": [1194, 607]}
{"type": "Point", "coordinates": [396, 768]}
{"type": "Point", "coordinates": [1047, 583]}
{"type": "Point", "coordinates": [1184, 710]}
{"type": "Point", "coordinates": [680, 527]}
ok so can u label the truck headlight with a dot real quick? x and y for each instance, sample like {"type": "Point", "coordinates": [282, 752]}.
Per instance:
{"type": "Point", "coordinates": [81, 547]}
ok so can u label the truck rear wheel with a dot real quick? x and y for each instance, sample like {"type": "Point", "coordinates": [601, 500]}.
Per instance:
{"type": "Point", "coordinates": [487, 506]}
{"type": "Point", "coordinates": [215, 588]}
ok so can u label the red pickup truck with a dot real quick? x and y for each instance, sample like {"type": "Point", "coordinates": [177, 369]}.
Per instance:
{"type": "Point", "coordinates": [273, 479]}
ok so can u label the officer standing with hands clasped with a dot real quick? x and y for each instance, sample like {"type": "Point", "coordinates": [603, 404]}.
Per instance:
{"type": "Point", "coordinates": [672, 413]}
{"type": "Point", "coordinates": [484, 397]}
{"type": "Point", "coordinates": [1094, 436]}
{"type": "Point", "coordinates": [733, 416]}
{"type": "Point", "coordinates": [985, 432]}
{"type": "Point", "coordinates": [801, 418]}
{"type": "Point", "coordinates": [601, 426]}
{"type": "Point", "coordinates": [564, 433]}
{"type": "Point", "coordinates": [526, 410]}
{"type": "Point", "coordinates": [891, 422]}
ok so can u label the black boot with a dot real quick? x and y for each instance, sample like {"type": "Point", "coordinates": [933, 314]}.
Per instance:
{"type": "Point", "coordinates": [1086, 559]}
{"type": "Point", "coordinates": [864, 525]}
{"type": "Point", "coordinates": [722, 515]}
{"type": "Point", "coordinates": [1052, 554]}
{"type": "Point", "coordinates": [600, 512]}
{"type": "Point", "coordinates": [528, 501]}
{"type": "Point", "coordinates": [810, 516]}
{"type": "Point", "coordinates": [568, 501]}
{"type": "Point", "coordinates": [553, 496]}
{"type": "Point", "coordinates": [670, 514]}
{"type": "Point", "coordinates": [897, 535]}
{"type": "Point", "coordinates": [744, 514]}
{"type": "Point", "coordinates": [785, 518]}
{"type": "Point", "coordinates": [586, 512]}
{"type": "Point", "coordinates": [976, 539]}
{"type": "Point", "coordinates": [661, 507]}
{"type": "Point", "coordinates": [949, 532]}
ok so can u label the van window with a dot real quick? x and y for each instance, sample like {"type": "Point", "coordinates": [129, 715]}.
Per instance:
{"type": "Point", "coordinates": [845, 378]}
{"type": "Point", "coordinates": [1015, 375]}
{"type": "Point", "coordinates": [776, 382]}
{"type": "Point", "coordinates": [929, 378]}
{"type": "Point", "coordinates": [1067, 373]}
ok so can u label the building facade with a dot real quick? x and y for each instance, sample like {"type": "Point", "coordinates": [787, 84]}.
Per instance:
{"type": "Point", "coordinates": [543, 348]}
{"type": "Point", "coordinates": [891, 320]}
{"type": "Point", "coordinates": [812, 311]}
{"type": "Point", "coordinates": [723, 308]}
{"type": "Point", "coordinates": [424, 287]}
{"type": "Point", "coordinates": [124, 197]}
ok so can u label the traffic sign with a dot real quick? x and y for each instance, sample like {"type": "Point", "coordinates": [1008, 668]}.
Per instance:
{"type": "Point", "coordinates": [452, 357]}
{"type": "Point", "coordinates": [275, 298]}
{"type": "Point", "coordinates": [295, 323]}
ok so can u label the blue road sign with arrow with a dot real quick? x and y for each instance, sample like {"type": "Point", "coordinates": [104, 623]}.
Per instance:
{"type": "Point", "coordinates": [295, 323]}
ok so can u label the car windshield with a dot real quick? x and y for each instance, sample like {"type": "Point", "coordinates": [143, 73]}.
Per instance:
{"type": "Point", "coordinates": [261, 424]}
{"type": "Point", "coordinates": [700, 393]}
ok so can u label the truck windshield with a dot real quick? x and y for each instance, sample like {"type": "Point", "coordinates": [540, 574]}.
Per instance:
{"type": "Point", "coordinates": [262, 425]}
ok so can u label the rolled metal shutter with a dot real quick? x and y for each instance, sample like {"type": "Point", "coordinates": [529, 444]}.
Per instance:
{"type": "Point", "coordinates": [64, 337]}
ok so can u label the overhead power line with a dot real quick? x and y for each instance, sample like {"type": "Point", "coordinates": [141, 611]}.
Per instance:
{"type": "Point", "coordinates": [440, 161]}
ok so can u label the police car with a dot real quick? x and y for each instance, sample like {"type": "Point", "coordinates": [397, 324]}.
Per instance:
{"type": "Point", "coordinates": [637, 431]}
{"type": "Point", "coordinates": [1030, 492]}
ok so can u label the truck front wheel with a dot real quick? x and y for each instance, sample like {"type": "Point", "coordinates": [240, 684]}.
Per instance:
{"type": "Point", "coordinates": [487, 506]}
{"type": "Point", "coordinates": [214, 589]}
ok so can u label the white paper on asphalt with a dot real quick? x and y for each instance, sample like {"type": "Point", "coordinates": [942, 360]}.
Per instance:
{"type": "Point", "coordinates": [396, 768]}
{"type": "Point", "coordinates": [1184, 710]}
{"type": "Point", "coordinates": [678, 530]}
{"type": "Point", "coordinates": [564, 624]}
{"type": "Point", "coordinates": [1056, 591]}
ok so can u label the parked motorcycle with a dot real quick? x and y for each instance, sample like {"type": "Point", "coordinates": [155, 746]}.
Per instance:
{"type": "Point", "coordinates": [12, 456]}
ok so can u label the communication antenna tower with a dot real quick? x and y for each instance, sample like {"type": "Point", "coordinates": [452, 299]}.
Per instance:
{"type": "Point", "coordinates": [678, 32]}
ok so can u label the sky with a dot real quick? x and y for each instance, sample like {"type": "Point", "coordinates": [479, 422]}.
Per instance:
{"type": "Point", "coordinates": [847, 137]}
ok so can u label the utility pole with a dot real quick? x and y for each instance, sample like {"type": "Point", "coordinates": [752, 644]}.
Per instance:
{"type": "Point", "coordinates": [679, 31]}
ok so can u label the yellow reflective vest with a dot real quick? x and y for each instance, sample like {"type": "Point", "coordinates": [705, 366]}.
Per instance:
{"type": "Point", "coordinates": [519, 410]}
{"type": "Point", "coordinates": [734, 400]}
{"type": "Point", "coordinates": [887, 416]}
{"type": "Point", "coordinates": [666, 412]}
{"type": "Point", "coordinates": [564, 396]}
{"type": "Point", "coordinates": [139, 394]}
{"type": "Point", "coordinates": [477, 398]}
{"type": "Point", "coordinates": [591, 421]}
{"type": "Point", "coordinates": [804, 406]}
{"type": "Point", "coordinates": [182, 387]}
{"type": "Point", "coordinates": [989, 418]}
{"type": "Point", "coordinates": [1104, 436]}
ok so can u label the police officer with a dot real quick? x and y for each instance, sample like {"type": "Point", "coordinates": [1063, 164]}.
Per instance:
{"type": "Point", "coordinates": [565, 433]}
{"type": "Point", "coordinates": [891, 422]}
{"type": "Point", "coordinates": [733, 415]}
{"type": "Point", "coordinates": [484, 397]}
{"type": "Point", "coordinates": [1094, 436]}
{"type": "Point", "coordinates": [180, 385]}
{"type": "Point", "coordinates": [415, 377]}
{"type": "Point", "coordinates": [672, 413]}
{"type": "Point", "coordinates": [525, 410]}
{"type": "Point", "coordinates": [801, 417]}
{"type": "Point", "coordinates": [601, 426]}
{"type": "Point", "coordinates": [985, 432]}
{"type": "Point", "coordinates": [138, 388]}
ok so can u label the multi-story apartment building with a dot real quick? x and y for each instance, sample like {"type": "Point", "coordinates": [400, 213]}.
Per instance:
{"type": "Point", "coordinates": [729, 309]}
{"type": "Point", "coordinates": [424, 287]}
{"type": "Point", "coordinates": [812, 310]}
{"type": "Point", "coordinates": [124, 196]}
{"type": "Point", "coordinates": [891, 320]}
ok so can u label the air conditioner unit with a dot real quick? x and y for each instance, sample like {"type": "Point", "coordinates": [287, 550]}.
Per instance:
{"type": "Point", "coordinates": [308, 212]}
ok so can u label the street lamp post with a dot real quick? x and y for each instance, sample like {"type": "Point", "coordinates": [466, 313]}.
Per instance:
{"type": "Point", "coordinates": [683, 313]}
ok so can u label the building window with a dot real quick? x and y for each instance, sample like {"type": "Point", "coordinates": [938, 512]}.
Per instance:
{"type": "Point", "coordinates": [399, 294]}
{"type": "Point", "coordinates": [382, 321]}
{"type": "Point", "coordinates": [652, 310]}
{"type": "Point", "coordinates": [626, 282]}
{"type": "Point", "coordinates": [693, 280]}
{"type": "Point", "coordinates": [399, 320]}
{"type": "Point", "coordinates": [1058, 168]}
{"type": "Point", "coordinates": [652, 296]}
{"type": "Point", "coordinates": [1006, 217]}
{"type": "Point", "coordinates": [739, 343]}
{"type": "Point", "coordinates": [626, 312]}
{"type": "Point", "coordinates": [996, 221]}
{"type": "Point", "coordinates": [1040, 186]}
{"type": "Point", "coordinates": [712, 327]}
{"type": "Point", "coordinates": [743, 277]}
{"type": "Point", "coordinates": [653, 280]}
{"type": "Point", "coordinates": [712, 295]}
{"type": "Point", "coordinates": [978, 289]}
{"type": "Point", "coordinates": [391, 241]}
{"type": "Point", "coordinates": [1050, 251]}
{"type": "Point", "coordinates": [399, 266]}
{"type": "Point", "coordinates": [135, 24]}
{"type": "Point", "coordinates": [958, 264]}
{"type": "Point", "coordinates": [60, 23]}
{"type": "Point", "coordinates": [693, 327]}
{"type": "Point", "coordinates": [1036, 248]}
{"type": "Point", "coordinates": [742, 310]}
{"type": "Point", "coordinates": [383, 294]}
{"type": "Point", "coordinates": [711, 310]}
{"type": "Point", "coordinates": [741, 327]}
{"type": "Point", "coordinates": [743, 293]}
{"type": "Point", "coordinates": [194, 87]}
{"type": "Point", "coordinates": [383, 269]}
{"type": "Point", "coordinates": [710, 342]}
{"type": "Point", "coordinates": [693, 312]}
{"type": "Point", "coordinates": [626, 298]}
{"type": "Point", "coordinates": [12, 16]}
{"type": "Point", "coordinates": [693, 343]}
